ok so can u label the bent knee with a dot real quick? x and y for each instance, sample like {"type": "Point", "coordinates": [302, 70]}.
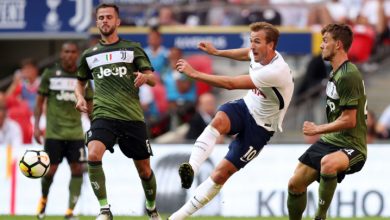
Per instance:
{"type": "Point", "coordinates": [220, 177]}
{"type": "Point", "coordinates": [76, 169]}
{"type": "Point", "coordinates": [221, 122]}
{"type": "Point", "coordinates": [94, 156]}
{"type": "Point", "coordinates": [295, 187]}
{"type": "Point", "coordinates": [328, 165]}
{"type": "Point", "coordinates": [145, 173]}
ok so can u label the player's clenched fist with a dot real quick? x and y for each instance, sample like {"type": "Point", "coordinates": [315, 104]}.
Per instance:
{"type": "Point", "coordinates": [81, 105]}
{"type": "Point", "coordinates": [309, 128]}
{"type": "Point", "coordinates": [184, 67]}
{"type": "Point", "coordinates": [207, 47]}
{"type": "Point", "coordinates": [140, 79]}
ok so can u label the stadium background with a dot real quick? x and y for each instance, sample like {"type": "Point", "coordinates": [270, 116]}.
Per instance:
{"type": "Point", "coordinates": [37, 28]}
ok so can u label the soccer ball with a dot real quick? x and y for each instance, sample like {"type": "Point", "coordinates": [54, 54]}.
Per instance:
{"type": "Point", "coordinates": [34, 163]}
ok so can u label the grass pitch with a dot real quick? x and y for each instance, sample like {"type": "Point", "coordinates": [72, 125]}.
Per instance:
{"type": "Point", "coordinates": [6, 217]}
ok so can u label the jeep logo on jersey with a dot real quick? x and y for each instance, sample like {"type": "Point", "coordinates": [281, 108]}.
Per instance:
{"type": "Point", "coordinates": [331, 105]}
{"type": "Point", "coordinates": [117, 71]}
{"type": "Point", "coordinates": [66, 96]}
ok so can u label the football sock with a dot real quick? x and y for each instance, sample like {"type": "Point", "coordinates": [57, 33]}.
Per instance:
{"type": "Point", "coordinates": [203, 147]}
{"type": "Point", "coordinates": [328, 184]}
{"type": "Point", "coordinates": [74, 190]}
{"type": "Point", "coordinates": [98, 181]}
{"type": "Point", "coordinates": [46, 182]}
{"type": "Point", "coordinates": [296, 203]}
{"type": "Point", "coordinates": [203, 194]}
{"type": "Point", "coordinates": [150, 187]}
{"type": "Point", "coordinates": [41, 205]}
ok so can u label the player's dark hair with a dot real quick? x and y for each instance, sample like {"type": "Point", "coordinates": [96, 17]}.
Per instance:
{"type": "Point", "coordinates": [271, 32]}
{"type": "Point", "coordinates": [341, 32]}
{"type": "Point", "coordinates": [106, 5]}
{"type": "Point", "coordinates": [72, 43]}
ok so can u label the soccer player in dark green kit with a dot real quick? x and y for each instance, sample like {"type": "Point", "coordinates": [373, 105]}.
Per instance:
{"type": "Point", "coordinates": [342, 148]}
{"type": "Point", "coordinates": [118, 68]}
{"type": "Point", "coordinates": [64, 133]}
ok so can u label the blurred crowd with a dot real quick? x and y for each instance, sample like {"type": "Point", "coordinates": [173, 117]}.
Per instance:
{"type": "Point", "coordinates": [178, 100]}
{"type": "Point", "coordinates": [168, 105]}
{"type": "Point", "coordinates": [370, 19]}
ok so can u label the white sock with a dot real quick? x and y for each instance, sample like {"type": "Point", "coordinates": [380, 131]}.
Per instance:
{"type": "Point", "coordinates": [203, 147]}
{"type": "Point", "coordinates": [107, 206]}
{"type": "Point", "coordinates": [203, 194]}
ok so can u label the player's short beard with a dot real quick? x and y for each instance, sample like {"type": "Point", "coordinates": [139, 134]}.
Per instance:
{"type": "Point", "coordinates": [329, 57]}
{"type": "Point", "coordinates": [107, 33]}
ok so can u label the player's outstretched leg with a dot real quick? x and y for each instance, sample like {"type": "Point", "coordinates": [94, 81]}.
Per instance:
{"type": "Point", "coordinates": [203, 194]}
{"type": "Point", "coordinates": [186, 174]}
{"type": "Point", "coordinates": [105, 214]}
{"type": "Point", "coordinates": [202, 149]}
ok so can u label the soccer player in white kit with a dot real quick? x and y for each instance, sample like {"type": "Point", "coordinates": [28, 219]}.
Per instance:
{"type": "Point", "coordinates": [254, 118]}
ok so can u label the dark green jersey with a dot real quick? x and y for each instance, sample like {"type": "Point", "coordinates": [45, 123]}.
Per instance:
{"type": "Point", "coordinates": [63, 121]}
{"type": "Point", "coordinates": [112, 68]}
{"type": "Point", "coordinates": [345, 90]}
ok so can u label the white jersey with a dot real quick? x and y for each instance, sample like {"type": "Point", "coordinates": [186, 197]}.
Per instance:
{"type": "Point", "coordinates": [269, 102]}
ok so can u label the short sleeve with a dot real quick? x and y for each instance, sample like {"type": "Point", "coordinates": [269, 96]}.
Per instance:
{"type": "Point", "coordinates": [274, 74]}
{"type": "Point", "coordinates": [141, 59]}
{"type": "Point", "coordinates": [270, 76]}
{"type": "Point", "coordinates": [45, 83]}
{"type": "Point", "coordinates": [349, 91]}
{"type": "Point", "coordinates": [89, 91]}
{"type": "Point", "coordinates": [83, 71]}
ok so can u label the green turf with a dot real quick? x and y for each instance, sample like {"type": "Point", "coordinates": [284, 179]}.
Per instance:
{"type": "Point", "coordinates": [6, 217]}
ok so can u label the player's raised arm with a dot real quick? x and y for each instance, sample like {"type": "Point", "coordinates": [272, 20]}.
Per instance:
{"type": "Point", "coordinates": [226, 82]}
{"type": "Point", "coordinates": [241, 54]}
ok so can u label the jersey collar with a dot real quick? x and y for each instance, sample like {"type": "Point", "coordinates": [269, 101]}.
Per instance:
{"type": "Point", "coordinates": [103, 44]}
{"type": "Point", "coordinates": [334, 72]}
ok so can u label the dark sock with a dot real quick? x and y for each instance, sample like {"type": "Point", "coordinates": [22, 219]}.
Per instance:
{"type": "Point", "coordinates": [328, 184]}
{"type": "Point", "coordinates": [150, 188]}
{"type": "Point", "coordinates": [296, 203]}
{"type": "Point", "coordinates": [98, 181]}
{"type": "Point", "coordinates": [46, 182]}
{"type": "Point", "coordinates": [74, 190]}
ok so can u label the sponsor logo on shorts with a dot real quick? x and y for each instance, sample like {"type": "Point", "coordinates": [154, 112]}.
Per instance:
{"type": "Point", "coordinates": [148, 147]}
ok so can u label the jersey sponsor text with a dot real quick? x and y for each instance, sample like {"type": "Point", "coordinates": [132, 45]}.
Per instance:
{"type": "Point", "coordinates": [117, 71]}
